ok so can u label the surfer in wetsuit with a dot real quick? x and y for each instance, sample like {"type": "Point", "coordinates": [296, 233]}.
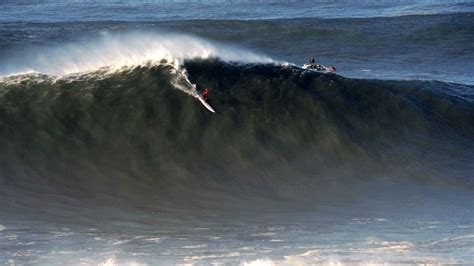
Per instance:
{"type": "Point", "coordinates": [312, 61]}
{"type": "Point", "coordinates": [205, 94]}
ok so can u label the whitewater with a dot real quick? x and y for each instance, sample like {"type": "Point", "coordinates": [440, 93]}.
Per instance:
{"type": "Point", "coordinates": [116, 51]}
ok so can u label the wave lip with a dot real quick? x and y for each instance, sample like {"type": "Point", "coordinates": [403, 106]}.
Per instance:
{"type": "Point", "coordinates": [115, 51]}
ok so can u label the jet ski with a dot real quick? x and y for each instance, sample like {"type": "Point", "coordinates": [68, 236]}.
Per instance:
{"type": "Point", "coordinates": [319, 68]}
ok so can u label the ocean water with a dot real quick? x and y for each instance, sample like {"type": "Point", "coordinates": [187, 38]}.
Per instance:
{"type": "Point", "coordinates": [108, 158]}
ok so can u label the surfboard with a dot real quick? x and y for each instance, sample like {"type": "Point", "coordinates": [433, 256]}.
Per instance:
{"type": "Point", "coordinates": [208, 107]}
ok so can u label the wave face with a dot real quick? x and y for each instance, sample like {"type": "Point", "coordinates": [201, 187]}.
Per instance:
{"type": "Point", "coordinates": [280, 133]}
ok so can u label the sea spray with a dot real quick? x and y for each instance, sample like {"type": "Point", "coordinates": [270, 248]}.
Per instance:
{"type": "Point", "coordinates": [115, 51]}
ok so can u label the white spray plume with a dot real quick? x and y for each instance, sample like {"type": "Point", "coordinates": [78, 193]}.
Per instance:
{"type": "Point", "coordinates": [126, 49]}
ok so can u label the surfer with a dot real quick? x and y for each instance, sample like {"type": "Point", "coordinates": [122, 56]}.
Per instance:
{"type": "Point", "coordinates": [205, 94]}
{"type": "Point", "coordinates": [312, 61]}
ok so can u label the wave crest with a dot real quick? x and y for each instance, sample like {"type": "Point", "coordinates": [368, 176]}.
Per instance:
{"type": "Point", "coordinates": [115, 51]}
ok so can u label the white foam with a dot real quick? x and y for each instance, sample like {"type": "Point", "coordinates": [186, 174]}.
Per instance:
{"type": "Point", "coordinates": [195, 246]}
{"type": "Point", "coordinates": [452, 239]}
{"type": "Point", "coordinates": [428, 227]}
{"type": "Point", "coordinates": [395, 246]}
{"type": "Point", "coordinates": [116, 51]}
{"type": "Point", "coordinates": [465, 226]}
{"type": "Point", "coordinates": [120, 242]}
{"type": "Point", "coordinates": [154, 239]}
{"type": "Point", "coordinates": [387, 246]}
{"type": "Point", "coordinates": [259, 262]}
{"type": "Point", "coordinates": [2, 227]}
{"type": "Point", "coordinates": [62, 233]}
{"type": "Point", "coordinates": [109, 262]}
{"type": "Point", "coordinates": [307, 258]}
{"type": "Point", "coordinates": [112, 261]}
{"type": "Point", "coordinates": [229, 255]}
{"type": "Point", "coordinates": [263, 234]}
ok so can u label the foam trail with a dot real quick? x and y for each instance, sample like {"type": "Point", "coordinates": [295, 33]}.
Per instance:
{"type": "Point", "coordinates": [188, 87]}
{"type": "Point", "coordinates": [116, 51]}
{"type": "Point", "coordinates": [181, 76]}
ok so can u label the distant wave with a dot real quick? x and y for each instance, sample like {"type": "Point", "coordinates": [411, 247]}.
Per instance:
{"type": "Point", "coordinates": [240, 10]}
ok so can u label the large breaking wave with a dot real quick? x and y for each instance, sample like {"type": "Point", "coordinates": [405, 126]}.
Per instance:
{"type": "Point", "coordinates": [280, 133]}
